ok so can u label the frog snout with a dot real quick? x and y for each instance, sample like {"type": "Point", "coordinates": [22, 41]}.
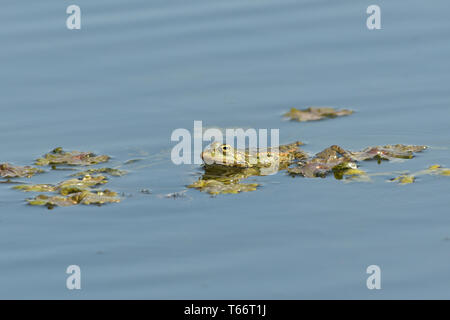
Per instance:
{"type": "Point", "coordinates": [204, 156]}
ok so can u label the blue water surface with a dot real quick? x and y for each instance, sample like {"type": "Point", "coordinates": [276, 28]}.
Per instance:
{"type": "Point", "coordinates": [139, 69]}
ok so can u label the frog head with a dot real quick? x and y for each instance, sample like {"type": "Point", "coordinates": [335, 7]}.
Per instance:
{"type": "Point", "coordinates": [224, 154]}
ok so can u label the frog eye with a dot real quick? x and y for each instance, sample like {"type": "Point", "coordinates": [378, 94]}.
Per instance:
{"type": "Point", "coordinates": [225, 148]}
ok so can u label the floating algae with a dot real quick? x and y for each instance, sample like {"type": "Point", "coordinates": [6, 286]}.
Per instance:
{"type": "Point", "coordinates": [215, 187]}
{"type": "Point", "coordinates": [65, 187]}
{"type": "Point", "coordinates": [9, 171]}
{"type": "Point", "coordinates": [110, 171]}
{"type": "Point", "coordinates": [76, 158]}
{"type": "Point", "coordinates": [388, 152]}
{"type": "Point", "coordinates": [68, 192]}
{"type": "Point", "coordinates": [431, 170]}
{"type": "Point", "coordinates": [315, 113]}
{"type": "Point", "coordinates": [404, 179]}
{"type": "Point", "coordinates": [83, 197]}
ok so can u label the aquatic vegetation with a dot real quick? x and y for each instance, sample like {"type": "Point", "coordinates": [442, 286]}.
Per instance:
{"type": "Point", "coordinates": [355, 175]}
{"type": "Point", "coordinates": [437, 169]}
{"type": "Point", "coordinates": [353, 172]}
{"type": "Point", "coordinates": [66, 187]}
{"type": "Point", "coordinates": [51, 202]}
{"type": "Point", "coordinates": [315, 113]}
{"type": "Point", "coordinates": [9, 171]}
{"type": "Point", "coordinates": [388, 152]}
{"type": "Point", "coordinates": [9, 181]}
{"type": "Point", "coordinates": [68, 192]}
{"type": "Point", "coordinates": [342, 162]}
{"type": "Point", "coordinates": [431, 170]}
{"type": "Point", "coordinates": [110, 171]}
{"type": "Point", "coordinates": [224, 169]}
{"type": "Point", "coordinates": [132, 161]}
{"type": "Point", "coordinates": [98, 197]}
{"type": "Point", "coordinates": [79, 185]}
{"type": "Point", "coordinates": [83, 197]}
{"type": "Point", "coordinates": [310, 170]}
{"type": "Point", "coordinates": [215, 187]}
{"type": "Point", "coordinates": [71, 192]}
{"type": "Point", "coordinates": [76, 158]}
{"type": "Point", "coordinates": [404, 179]}
{"type": "Point", "coordinates": [36, 187]}
{"type": "Point", "coordinates": [321, 170]}
{"type": "Point", "coordinates": [332, 159]}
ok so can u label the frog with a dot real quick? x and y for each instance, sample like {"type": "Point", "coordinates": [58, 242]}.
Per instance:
{"type": "Point", "coordinates": [225, 167]}
{"type": "Point", "coordinates": [225, 155]}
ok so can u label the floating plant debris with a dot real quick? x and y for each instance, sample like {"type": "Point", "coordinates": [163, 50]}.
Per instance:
{"type": "Point", "coordinates": [68, 192]}
{"type": "Point", "coordinates": [388, 152]}
{"type": "Point", "coordinates": [65, 187]}
{"type": "Point", "coordinates": [431, 170]}
{"type": "Point", "coordinates": [437, 169]}
{"type": "Point", "coordinates": [404, 179]}
{"type": "Point", "coordinates": [76, 158]}
{"type": "Point", "coordinates": [9, 171]}
{"type": "Point", "coordinates": [315, 113]}
{"type": "Point", "coordinates": [110, 171]}
{"type": "Point", "coordinates": [83, 197]}
{"type": "Point", "coordinates": [216, 187]}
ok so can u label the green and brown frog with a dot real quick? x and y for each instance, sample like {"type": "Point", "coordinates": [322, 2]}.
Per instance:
{"type": "Point", "coordinates": [224, 166]}
{"type": "Point", "coordinates": [226, 155]}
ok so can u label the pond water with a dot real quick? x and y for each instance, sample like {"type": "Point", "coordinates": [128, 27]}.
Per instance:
{"type": "Point", "coordinates": [137, 70]}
